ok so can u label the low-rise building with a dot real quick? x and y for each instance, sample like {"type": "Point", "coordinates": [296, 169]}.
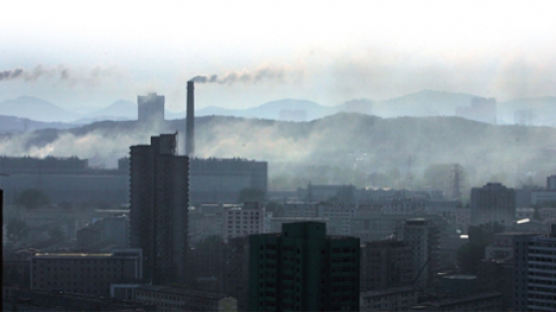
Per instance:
{"type": "Point", "coordinates": [393, 299]}
{"type": "Point", "coordinates": [167, 298]}
{"type": "Point", "coordinates": [85, 273]}
{"type": "Point", "coordinates": [478, 302]}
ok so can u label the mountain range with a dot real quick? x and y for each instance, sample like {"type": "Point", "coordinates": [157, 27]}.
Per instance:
{"type": "Point", "coordinates": [532, 111]}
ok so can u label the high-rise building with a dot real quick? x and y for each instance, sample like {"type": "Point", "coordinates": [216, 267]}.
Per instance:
{"type": "Point", "coordinates": [535, 272]}
{"type": "Point", "coordinates": [159, 194]}
{"type": "Point", "coordinates": [303, 269]}
{"type": "Point", "coordinates": [492, 203]}
{"type": "Point", "coordinates": [150, 107]}
{"type": "Point", "coordinates": [385, 264]}
{"type": "Point", "coordinates": [422, 237]}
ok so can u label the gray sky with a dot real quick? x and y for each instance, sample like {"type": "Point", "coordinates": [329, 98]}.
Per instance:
{"type": "Point", "coordinates": [83, 55]}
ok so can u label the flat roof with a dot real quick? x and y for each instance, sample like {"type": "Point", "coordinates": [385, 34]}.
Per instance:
{"type": "Point", "coordinates": [72, 255]}
{"type": "Point", "coordinates": [389, 291]}
{"type": "Point", "coordinates": [182, 291]}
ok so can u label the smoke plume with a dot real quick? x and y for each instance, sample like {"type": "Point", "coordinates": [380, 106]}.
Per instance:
{"type": "Point", "coordinates": [58, 73]}
{"type": "Point", "coordinates": [347, 148]}
{"type": "Point", "coordinates": [11, 74]}
{"type": "Point", "coordinates": [259, 75]}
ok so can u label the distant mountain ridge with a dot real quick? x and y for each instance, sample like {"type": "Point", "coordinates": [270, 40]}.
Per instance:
{"type": "Point", "coordinates": [35, 108]}
{"type": "Point", "coordinates": [534, 111]}
{"type": "Point", "coordinates": [295, 109]}
{"type": "Point", "coordinates": [16, 124]}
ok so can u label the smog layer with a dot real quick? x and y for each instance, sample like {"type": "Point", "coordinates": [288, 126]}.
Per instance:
{"type": "Point", "coordinates": [367, 151]}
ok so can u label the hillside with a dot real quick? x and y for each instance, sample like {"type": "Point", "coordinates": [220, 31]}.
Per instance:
{"type": "Point", "coordinates": [16, 124]}
{"type": "Point", "coordinates": [36, 109]}
{"type": "Point", "coordinates": [343, 148]}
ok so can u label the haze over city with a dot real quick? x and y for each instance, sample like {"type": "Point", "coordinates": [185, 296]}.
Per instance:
{"type": "Point", "coordinates": [278, 156]}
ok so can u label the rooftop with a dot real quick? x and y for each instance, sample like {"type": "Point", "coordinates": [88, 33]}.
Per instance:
{"type": "Point", "coordinates": [182, 291]}
{"type": "Point", "coordinates": [72, 255]}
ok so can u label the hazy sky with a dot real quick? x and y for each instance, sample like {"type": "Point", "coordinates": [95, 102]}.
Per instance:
{"type": "Point", "coordinates": [83, 55]}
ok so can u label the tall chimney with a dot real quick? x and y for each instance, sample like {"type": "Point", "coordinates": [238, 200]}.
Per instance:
{"type": "Point", "coordinates": [190, 120]}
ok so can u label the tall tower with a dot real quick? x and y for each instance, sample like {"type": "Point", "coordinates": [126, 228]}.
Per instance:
{"type": "Point", "coordinates": [190, 120]}
{"type": "Point", "coordinates": [159, 195]}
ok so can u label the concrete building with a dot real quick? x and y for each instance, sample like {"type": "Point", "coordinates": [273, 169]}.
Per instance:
{"type": "Point", "coordinates": [540, 198]}
{"type": "Point", "coordinates": [150, 108]}
{"type": "Point", "coordinates": [167, 298]}
{"type": "Point", "coordinates": [492, 203]}
{"type": "Point", "coordinates": [85, 273]}
{"type": "Point", "coordinates": [376, 226]}
{"type": "Point", "coordinates": [18, 299]}
{"type": "Point", "coordinates": [297, 209]}
{"type": "Point", "coordinates": [422, 237]}
{"type": "Point", "coordinates": [393, 299]}
{"type": "Point", "coordinates": [385, 264]}
{"type": "Point", "coordinates": [220, 180]}
{"type": "Point", "coordinates": [535, 272]}
{"type": "Point", "coordinates": [243, 220]}
{"type": "Point", "coordinates": [490, 301]}
{"type": "Point", "coordinates": [63, 180]}
{"type": "Point", "coordinates": [275, 224]}
{"type": "Point", "coordinates": [159, 194]}
{"type": "Point", "coordinates": [324, 192]}
{"type": "Point", "coordinates": [339, 216]}
{"type": "Point", "coordinates": [212, 180]}
{"type": "Point", "coordinates": [302, 269]}
{"type": "Point", "coordinates": [502, 248]}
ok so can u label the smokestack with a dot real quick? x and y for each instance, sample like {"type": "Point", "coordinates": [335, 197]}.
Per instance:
{"type": "Point", "coordinates": [190, 120]}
